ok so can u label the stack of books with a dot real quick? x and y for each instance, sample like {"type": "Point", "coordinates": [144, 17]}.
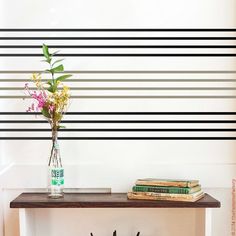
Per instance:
{"type": "Point", "coordinates": [166, 189]}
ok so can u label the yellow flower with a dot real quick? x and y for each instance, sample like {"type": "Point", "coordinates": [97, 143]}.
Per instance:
{"type": "Point", "coordinates": [37, 79]}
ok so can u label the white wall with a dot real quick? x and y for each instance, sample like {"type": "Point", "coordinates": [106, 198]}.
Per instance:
{"type": "Point", "coordinates": [117, 164]}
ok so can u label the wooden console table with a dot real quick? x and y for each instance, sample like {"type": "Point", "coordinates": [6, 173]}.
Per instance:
{"type": "Point", "coordinates": [27, 201]}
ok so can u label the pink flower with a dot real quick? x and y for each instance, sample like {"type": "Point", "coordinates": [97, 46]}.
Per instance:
{"type": "Point", "coordinates": [51, 108]}
{"type": "Point", "coordinates": [31, 108]}
{"type": "Point", "coordinates": [40, 97]}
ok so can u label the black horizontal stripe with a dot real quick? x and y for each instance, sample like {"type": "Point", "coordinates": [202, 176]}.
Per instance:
{"type": "Point", "coordinates": [128, 80]}
{"type": "Point", "coordinates": [131, 88]}
{"type": "Point", "coordinates": [120, 138]}
{"type": "Point", "coordinates": [126, 113]}
{"type": "Point", "coordinates": [125, 121]}
{"type": "Point", "coordinates": [117, 29]}
{"type": "Point", "coordinates": [123, 55]}
{"type": "Point", "coordinates": [155, 97]}
{"type": "Point", "coordinates": [132, 97]}
{"type": "Point", "coordinates": [120, 46]}
{"type": "Point", "coordinates": [125, 71]}
{"type": "Point", "coordinates": [117, 38]}
{"type": "Point", "coordinates": [121, 130]}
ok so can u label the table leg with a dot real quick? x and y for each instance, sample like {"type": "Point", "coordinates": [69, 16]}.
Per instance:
{"type": "Point", "coordinates": [208, 222]}
{"type": "Point", "coordinates": [27, 224]}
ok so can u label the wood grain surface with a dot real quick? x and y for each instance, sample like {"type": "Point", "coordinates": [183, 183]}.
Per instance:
{"type": "Point", "coordinates": [104, 200]}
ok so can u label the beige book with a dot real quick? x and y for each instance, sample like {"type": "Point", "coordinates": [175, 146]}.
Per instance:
{"type": "Point", "coordinates": [168, 182]}
{"type": "Point", "coordinates": [166, 196]}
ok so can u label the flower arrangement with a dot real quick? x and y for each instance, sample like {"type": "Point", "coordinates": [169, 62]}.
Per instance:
{"type": "Point", "coordinates": [51, 98]}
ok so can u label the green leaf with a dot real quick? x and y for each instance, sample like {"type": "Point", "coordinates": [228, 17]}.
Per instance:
{"type": "Point", "coordinates": [50, 89]}
{"type": "Point", "coordinates": [63, 77]}
{"type": "Point", "coordinates": [50, 71]}
{"type": "Point", "coordinates": [45, 51]}
{"type": "Point", "coordinates": [62, 127]}
{"type": "Point", "coordinates": [48, 60]}
{"type": "Point", "coordinates": [50, 82]}
{"type": "Point", "coordinates": [59, 68]}
{"type": "Point", "coordinates": [45, 113]}
{"type": "Point", "coordinates": [53, 54]}
{"type": "Point", "coordinates": [57, 61]}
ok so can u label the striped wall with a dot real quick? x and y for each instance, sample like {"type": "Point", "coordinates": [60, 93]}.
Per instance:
{"type": "Point", "coordinates": [153, 94]}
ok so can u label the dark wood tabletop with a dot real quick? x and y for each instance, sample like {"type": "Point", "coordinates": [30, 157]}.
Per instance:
{"type": "Point", "coordinates": [103, 200]}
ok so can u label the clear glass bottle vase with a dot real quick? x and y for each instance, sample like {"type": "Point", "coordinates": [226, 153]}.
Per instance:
{"type": "Point", "coordinates": [56, 170]}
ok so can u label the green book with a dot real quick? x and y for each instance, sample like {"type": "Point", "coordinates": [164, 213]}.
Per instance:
{"type": "Point", "coordinates": [158, 189]}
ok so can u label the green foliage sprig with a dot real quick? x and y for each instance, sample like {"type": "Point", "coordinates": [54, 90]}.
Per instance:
{"type": "Point", "coordinates": [52, 97]}
{"type": "Point", "coordinates": [54, 68]}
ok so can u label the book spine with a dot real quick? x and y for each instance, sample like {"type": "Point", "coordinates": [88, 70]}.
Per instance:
{"type": "Point", "coordinates": [163, 184]}
{"type": "Point", "coordinates": [169, 195]}
{"type": "Point", "coordinates": [136, 196]}
{"type": "Point", "coordinates": [161, 189]}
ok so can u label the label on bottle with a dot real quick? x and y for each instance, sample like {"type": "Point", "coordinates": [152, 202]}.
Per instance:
{"type": "Point", "coordinates": [57, 176]}
{"type": "Point", "coordinates": [56, 146]}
